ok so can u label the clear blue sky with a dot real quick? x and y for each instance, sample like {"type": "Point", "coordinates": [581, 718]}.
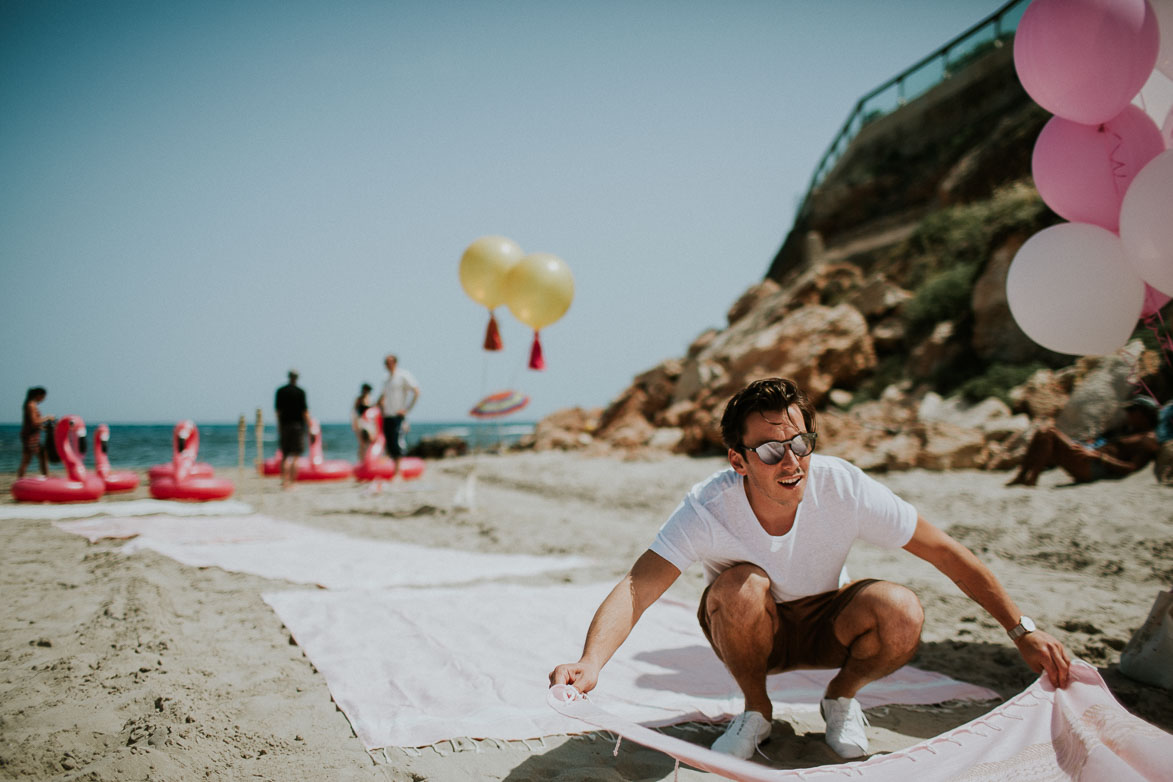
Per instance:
{"type": "Point", "coordinates": [198, 195]}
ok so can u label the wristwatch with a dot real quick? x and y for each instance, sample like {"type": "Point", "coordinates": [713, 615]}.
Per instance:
{"type": "Point", "coordinates": [1025, 625]}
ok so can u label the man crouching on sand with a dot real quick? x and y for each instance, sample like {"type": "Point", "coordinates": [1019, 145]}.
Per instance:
{"type": "Point", "coordinates": [773, 533]}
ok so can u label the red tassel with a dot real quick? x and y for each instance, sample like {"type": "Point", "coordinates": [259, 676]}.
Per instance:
{"type": "Point", "coordinates": [492, 335]}
{"type": "Point", "coordinates": [536, 361]}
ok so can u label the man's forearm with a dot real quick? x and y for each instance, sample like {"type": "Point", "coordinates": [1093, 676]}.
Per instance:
{"type": "Point", "coordinates": [611, 625]}
{"type": "Point", "coordinates": [979, 584]}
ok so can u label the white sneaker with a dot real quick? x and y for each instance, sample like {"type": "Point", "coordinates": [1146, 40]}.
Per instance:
{"type": "Point", "coordinates": [743, 735]}
{"type": "Point", "coordinates": [845, 726]}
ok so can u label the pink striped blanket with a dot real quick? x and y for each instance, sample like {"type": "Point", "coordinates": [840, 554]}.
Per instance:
{"type": "Point", "coordinates": [1078, 733]}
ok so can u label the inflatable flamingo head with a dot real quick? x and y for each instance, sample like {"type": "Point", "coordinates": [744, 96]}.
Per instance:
{"type": "Point", "coordinates": [185, 444]}
{"type": "Point", "coordinates": [316, 454]}
{"type": "Point", "coordinates": [101, 446]}
{"type": "Point", "coordinates": [70, 437]}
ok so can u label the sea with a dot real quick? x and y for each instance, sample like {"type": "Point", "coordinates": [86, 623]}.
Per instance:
{"type": "Point", "coordinates": [139, 446]}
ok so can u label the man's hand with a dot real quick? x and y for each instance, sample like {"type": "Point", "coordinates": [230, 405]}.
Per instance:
{"type": "Point", "coordinates": [582, 675]}
{"type": "Point", "coordinates": [1043, 652]}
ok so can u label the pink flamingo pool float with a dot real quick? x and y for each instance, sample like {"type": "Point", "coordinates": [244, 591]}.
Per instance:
{"type": "Point", "coordinates": [184, 481]}
{"type": "Point", "coordinates": [78, 485]}
{"type": "Point", "coordinates": [116, 481]}
{"type": "Point", "coordinates": [314, 468]}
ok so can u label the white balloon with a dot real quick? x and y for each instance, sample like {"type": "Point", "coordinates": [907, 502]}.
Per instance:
{"type": "Point", "coordinates": [1163, 10]}
{"type": "Point", "coordinates": [1155, 97]}
{"type": "Point", "coordinates": [1070, 290]}
{"type": "Point", "coordinates": [1146, 223]}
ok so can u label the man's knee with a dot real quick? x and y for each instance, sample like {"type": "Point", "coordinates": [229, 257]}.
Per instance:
{"type": "Point", "coordinates": [891, 610]}
{"type": "Point", "coordinates": [742, 585]}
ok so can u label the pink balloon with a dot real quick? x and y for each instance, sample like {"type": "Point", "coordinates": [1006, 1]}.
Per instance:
{"type": "Point", "coordinates": [1154, 300]}
{"type": "Point", "coordinates": [1084, 59]}
{"type": "Point", "coordinates": [1146, 223]}
{"type": "Point", "coordinates": [1070, 290]}
{"type": "Point", "coordinates": [1083, 171]}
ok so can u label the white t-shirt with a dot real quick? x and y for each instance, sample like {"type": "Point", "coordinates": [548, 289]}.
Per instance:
{"type": "Point", "coordinates": [715, 526]}
{"type": "Point", "coordinates": [396, 390]}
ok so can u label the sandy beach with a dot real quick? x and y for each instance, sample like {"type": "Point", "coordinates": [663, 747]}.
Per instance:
{"type": "Point", "coordinates": [135, 667]}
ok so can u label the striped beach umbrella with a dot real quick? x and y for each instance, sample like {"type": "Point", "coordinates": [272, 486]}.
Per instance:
{"type": "Point", "coordinates": [499, 404]}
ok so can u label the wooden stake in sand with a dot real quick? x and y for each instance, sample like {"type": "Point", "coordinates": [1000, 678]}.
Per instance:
{"type": "Point", "coordinates": [260, 447]}
{"type": "Point", "coordinates": [241, 433]}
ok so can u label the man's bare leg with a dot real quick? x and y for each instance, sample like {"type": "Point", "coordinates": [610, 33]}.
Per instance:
{"type": "Point", "coordinates": [881, 629]}
{"type": "Point", "coordinates": [742, 621]}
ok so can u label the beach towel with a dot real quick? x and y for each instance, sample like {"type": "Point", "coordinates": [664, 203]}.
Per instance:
{"type": "Point", "coordinates": [283, 550]}
{"type": "Point", "coordinates": [81, 510]}
{"type": "Point", "coordinates": [411, 667]}
{"type": "Point", "coordinates": [181, 530]}
{"type": "Point", "coordinates": [1043, 733]}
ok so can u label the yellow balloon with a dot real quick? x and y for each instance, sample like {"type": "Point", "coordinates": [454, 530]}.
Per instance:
{"type": "Point", "coordinates": [539, 289]}
{"type": "Point", "coordinates": [483, 268]}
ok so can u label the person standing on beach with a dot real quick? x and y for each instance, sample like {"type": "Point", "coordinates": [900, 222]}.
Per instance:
{"type": "Point", "coordinates": [361, 403]}
{"type": "Point", "coordinates": [400, 393]}
{"type": "Point", "coordinates": [293, 420]}
{"type": "Point", "coordinates": [773, 532]}
{"type": "Point", "coordinates": [32, 423]}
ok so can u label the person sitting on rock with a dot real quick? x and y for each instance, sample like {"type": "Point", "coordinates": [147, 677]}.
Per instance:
{"type": "Point", "coordinates": [773, 531]}
{"type": "Point", "coordinates": [1115, 454]}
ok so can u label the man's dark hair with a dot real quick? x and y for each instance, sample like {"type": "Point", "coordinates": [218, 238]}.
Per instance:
{"type": "Point", "coordinates": [762, 396]}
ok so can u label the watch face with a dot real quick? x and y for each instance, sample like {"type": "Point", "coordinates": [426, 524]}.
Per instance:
{"type": "Point", "coordinates": [1027, 624]}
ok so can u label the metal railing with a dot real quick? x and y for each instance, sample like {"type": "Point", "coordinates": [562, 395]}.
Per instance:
{"type": "Point", "coordinates": [994, 31]}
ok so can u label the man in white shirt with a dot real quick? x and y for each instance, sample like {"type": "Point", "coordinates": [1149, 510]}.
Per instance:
{"type": "Point", "coordinates": [400, 393]}
{"type": "Point", "coordinates": [772, 533]}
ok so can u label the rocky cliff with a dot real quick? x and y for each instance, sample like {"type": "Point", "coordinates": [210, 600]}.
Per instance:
{"type": "Point", "coordinates": [887, 304]}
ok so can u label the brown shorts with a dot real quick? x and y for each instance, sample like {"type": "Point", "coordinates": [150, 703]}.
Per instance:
{"type": "Point", "coordinates": [805, 637]}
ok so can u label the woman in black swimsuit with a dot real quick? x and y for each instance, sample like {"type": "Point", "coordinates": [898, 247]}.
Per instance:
{"type": "Point", "coordinates": [32, 423]}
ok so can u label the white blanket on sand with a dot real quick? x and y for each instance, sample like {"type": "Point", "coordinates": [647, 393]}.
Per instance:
{"type": "Point", "coordinates": [410, 667]}
{"type": "Point", "coordinates": [283, 550]}
{"type": "Point", "coordinates": [81, 510]}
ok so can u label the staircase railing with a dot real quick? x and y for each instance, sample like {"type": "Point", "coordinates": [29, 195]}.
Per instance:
{"type": "Point", "coordinates": [995, 31]}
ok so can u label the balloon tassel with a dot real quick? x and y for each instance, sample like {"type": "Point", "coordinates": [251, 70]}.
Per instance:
{"type": "Point", "coordinates": [536, 361]}
{"type": "Point", "coordinates": [493, 335]}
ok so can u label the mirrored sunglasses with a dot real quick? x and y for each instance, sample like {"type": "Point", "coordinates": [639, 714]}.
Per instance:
{"type": "Point", "coordinates": [775, 450]}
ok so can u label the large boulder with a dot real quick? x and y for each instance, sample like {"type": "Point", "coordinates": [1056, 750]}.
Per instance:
{"type": "Point", "coordinates": [996, 335]}
{"type": "Point", "coordinates": [947, 446]}
{"type": "Point", "coordinates": [936, 351]}
{"type": "Point", "coordinates": [1043, 395]}
{"type": "Point", "coordinates": [818, 347]}
{"type": "Point", "coordinates": [1097, 403]}
{"type": "Point", "coordinates": [658, 385]}
{"type": "Point", "coordinates": [698, 375]}
{"type": "Point", "coordinates": [623, 423]}
{"type": "Point", "coordinates": [877, 435]}
{"type": "Point", "coordinates": [752, 299]}
{"type": "Point", "coordinates": [877, 297]}
{"type": "Point", "coordinates": [933, 408]}
{"type": "Point", "coordinates": [703, 340]}
{"type": "Point", "coordinates": [564, 429]}
{"type": "Point", "coordinates": [888, 334]}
